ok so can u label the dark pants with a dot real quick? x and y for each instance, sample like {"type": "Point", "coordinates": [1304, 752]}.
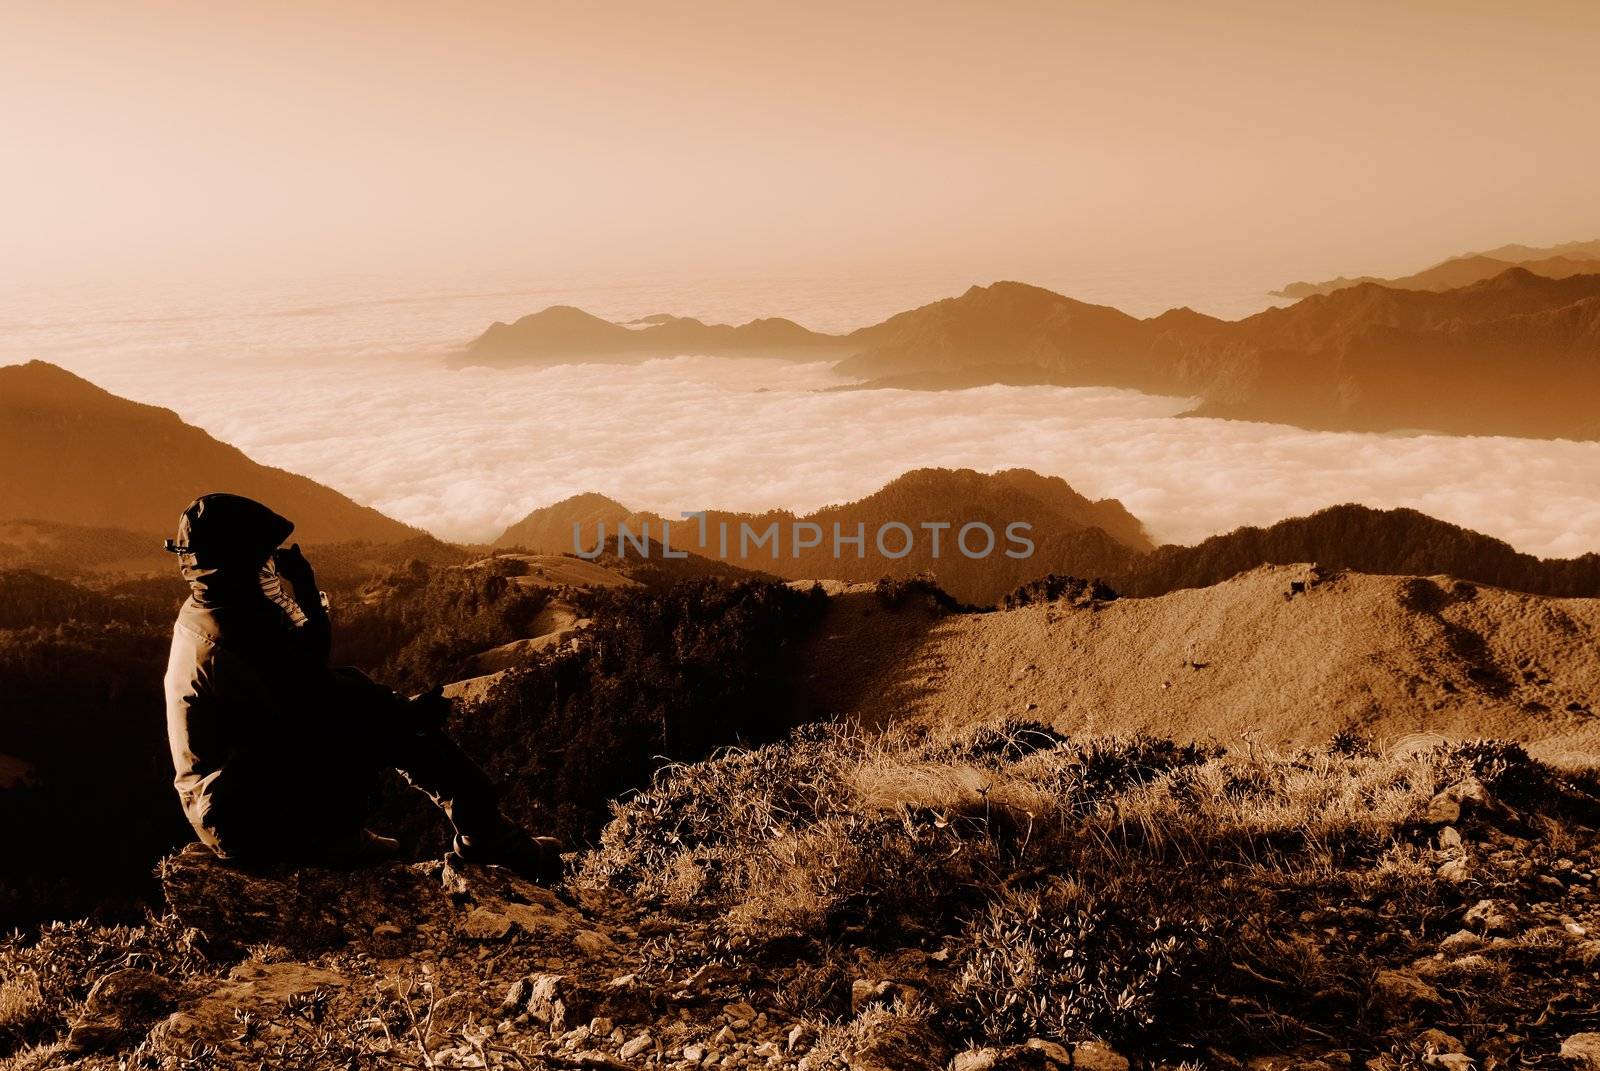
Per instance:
{"type": "Point", "coordinates": [307, 795]}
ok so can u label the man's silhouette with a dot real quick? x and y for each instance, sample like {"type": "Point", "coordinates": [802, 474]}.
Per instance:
{"type": "Point", "coordinates": [277, 755]}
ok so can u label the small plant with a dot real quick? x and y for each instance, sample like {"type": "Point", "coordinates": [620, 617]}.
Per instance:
{"type": "Point", "coordinates": [1059, 962]}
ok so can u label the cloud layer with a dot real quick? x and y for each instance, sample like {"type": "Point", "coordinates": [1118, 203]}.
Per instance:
{"type": "Point", "coordinates": [352, 392]}
{"type": "Point", "coordinates": [465, 453]}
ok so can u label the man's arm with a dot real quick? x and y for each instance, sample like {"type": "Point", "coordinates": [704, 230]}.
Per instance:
{"type": "Point", "coordinates": [313, 629]}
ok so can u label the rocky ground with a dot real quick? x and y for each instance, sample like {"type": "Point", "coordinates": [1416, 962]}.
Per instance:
{"type": "Point", "coordinates": [1467, 940]}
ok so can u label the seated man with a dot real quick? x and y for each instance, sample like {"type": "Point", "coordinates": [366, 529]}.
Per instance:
{"type": "Point", "coordinates": [276, 754]}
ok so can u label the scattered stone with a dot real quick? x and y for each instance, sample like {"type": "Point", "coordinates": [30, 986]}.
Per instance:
{"type": "Point", "coordinates": [694, 1053]}
{"type": "Point", "coordinates": [637, 1047]}
{"type": "Point", "coordinates": [1459, 942]}
{"type": "Point", "coordinates": [1050, 1051]}
{"type": "Point", "coordinates": [1013, 1058]}
{"type": "Point", "coordinates": [1440, 1042]}
{"type": "Point", "coordinates": [551, 1001]}
{"type": "Point", "coordinates": [1456, 871]}
{"type": "Point", "coordinates": [865, 993]}
{"type": "Point", "coordinates": [1097, 1056]}
{"type": "Point", "coordinates": [593, 943]}
{"type": "Point", "coordinates": [1464, 797]}
{"type": "Point", "coordinates": [1492, 916]}
{"type": "Point", "coordinates": [1404, 990]}
{"type": "Point", "coordinates": [1450, 1061]}
{"type": "Point", "coordinates": [483, 924]}
{"type": "Point", "coordinates": [601, 1027]}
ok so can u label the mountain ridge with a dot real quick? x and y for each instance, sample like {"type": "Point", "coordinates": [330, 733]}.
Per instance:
{"type": "Point", "coordinates": [1389, 542]}
{"type": "Point", "coordinates": [1516, 353]}
{"type": "Point", "coordinates": [1567, 258]}
{"type": "Point", "coordinates": [74, 453]}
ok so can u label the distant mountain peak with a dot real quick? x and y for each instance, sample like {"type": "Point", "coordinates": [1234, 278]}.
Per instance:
{"type": "Point", "coordinates": [73, 453]}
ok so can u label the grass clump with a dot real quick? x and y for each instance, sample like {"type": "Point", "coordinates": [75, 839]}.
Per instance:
{"type": "Point", "coordinates": [1160, 896]}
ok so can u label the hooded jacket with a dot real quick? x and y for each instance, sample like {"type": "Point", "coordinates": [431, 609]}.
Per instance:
{"type": "Point", "coordinates": [248, 667]}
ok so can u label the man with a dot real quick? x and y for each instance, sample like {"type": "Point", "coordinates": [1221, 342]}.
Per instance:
{"type": "Point", "coordinates": [277, 755]}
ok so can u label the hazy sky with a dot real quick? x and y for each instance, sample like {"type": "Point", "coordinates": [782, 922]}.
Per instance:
{"type": "Point", "coordinates": [610, 139]}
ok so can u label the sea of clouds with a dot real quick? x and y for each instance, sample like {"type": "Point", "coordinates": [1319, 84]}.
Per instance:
{"type": "Point", "coordinates": [356, 395]}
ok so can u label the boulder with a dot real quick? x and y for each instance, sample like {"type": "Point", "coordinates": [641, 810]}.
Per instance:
{"type": "Point", "coordinates": [254, 989]}
{"type": "Point", "coordinates": [304, 910]}
{"type": "Point", "coordinates": [1582, 1051]}
{"type": "Point", "coordinates": [121, 1007]}
{"type": "Point", "coordinates": [310, 909]}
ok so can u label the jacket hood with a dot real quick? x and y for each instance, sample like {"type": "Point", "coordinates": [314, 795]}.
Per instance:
{"type": "Point", "coordinates": [224, 542]}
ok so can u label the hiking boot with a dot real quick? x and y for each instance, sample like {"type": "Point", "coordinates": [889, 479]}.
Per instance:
{"type": "Point", "coordinates": [535, 859]}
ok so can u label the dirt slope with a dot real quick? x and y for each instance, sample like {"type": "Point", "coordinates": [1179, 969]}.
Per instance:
{"type": "Point", "coordinates": [1248, 659]}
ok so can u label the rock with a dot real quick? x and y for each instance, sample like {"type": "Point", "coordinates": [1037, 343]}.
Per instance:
{"type": "Point", "coordinates": [1440, 1042]}
{"type": "Point", "coordinates": [1463, 798]}
{"type": "Point", "coordinates": [308, 910]}
{"type": "Point", "coordinates": [637, 1047]}
{"type": "Point", "coordinates": [484, 924]}
{"type": "Point", "coordinates": [120, 1008]}
{"type": "Point", "coordinates": [1492, 916]}
{"type": "Point", "coordinates": [259, 989]}
{"type": "Point", "coordinates": [1582, 1051]}
{"type": "Point", "coordinates": [1097, 1056]}
{"type": "Point", "coordinates": [799, 1038]}
{"type": "Point", "coordinates": [1456, 871]}
{"type": "Point", "coordinates": [1450, 1061]}
{"type": "Point", "coordinates": [865, 993]}
{"type": "Point", "coordinates": [1404, 990]}
{"type": "Point", "coordinates": [567, 1006]}
{"type": "Point", "coordinates": [593, 943]}
{"type": "Point", "coordinates": [557, 1002]}
{"type": "Point", "coordinates": [1460, 942]}
{"type": "Point", "coordinates": [694, 1053]}
{"type": "Point", "coordinates": [975, 1060]}
{"type": "Point", "coordinates": [1050, 1050]}
{"type": "Point", "coordinates": [1036, 1055]}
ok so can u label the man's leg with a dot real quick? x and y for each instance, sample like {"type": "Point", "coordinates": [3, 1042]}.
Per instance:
{"type": "Point", "coordinates": [408, 735]}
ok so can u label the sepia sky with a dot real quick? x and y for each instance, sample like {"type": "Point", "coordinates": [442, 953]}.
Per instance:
{"type": "Point", "coordinates": [614, 139]}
